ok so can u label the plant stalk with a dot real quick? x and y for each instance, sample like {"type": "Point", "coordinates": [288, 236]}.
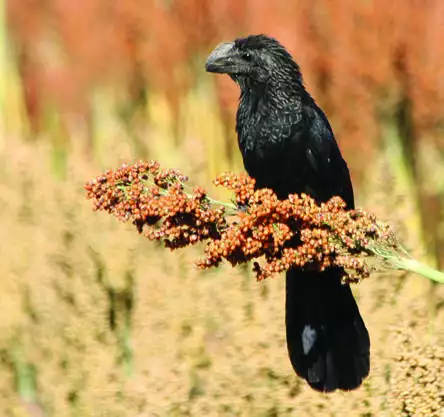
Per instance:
{"type": "Point", "coordinates": [418, 268]}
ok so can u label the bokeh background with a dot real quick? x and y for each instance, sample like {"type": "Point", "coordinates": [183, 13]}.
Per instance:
{"type": "Point", "coordinates": [96, 321]}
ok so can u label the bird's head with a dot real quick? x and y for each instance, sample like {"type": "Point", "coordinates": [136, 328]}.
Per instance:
{"type": "Point", "coordinates": [256, 59]}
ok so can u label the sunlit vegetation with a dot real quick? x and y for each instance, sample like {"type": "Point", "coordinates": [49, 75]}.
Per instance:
{"type": "Point", "coordinates": [98, 321]}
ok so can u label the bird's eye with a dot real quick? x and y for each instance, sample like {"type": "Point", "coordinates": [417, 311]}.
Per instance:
{"type": "Point", "coordinates": [247, 56]}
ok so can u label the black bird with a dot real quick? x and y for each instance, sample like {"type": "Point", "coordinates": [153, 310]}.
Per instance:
{"type": "Point", "coordinates": [287, 145]}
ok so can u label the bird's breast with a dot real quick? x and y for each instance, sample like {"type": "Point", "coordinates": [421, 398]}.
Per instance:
{"type": "Point", "coordinates": [264, 157]}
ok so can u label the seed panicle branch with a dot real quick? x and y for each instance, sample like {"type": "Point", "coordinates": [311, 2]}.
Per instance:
{"type": "Point", "coordinates": [284, 234]}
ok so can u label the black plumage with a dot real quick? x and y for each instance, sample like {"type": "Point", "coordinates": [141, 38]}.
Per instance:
{"type": "Point", "coordinates": [287, 145]}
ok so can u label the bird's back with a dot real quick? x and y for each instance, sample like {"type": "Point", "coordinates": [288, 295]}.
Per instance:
{"type": "Point", "coordinates": [293, 150]}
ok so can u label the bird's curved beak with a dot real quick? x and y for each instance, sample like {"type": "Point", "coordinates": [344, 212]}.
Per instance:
{"type": "Point", "coordinates": [221, 59]}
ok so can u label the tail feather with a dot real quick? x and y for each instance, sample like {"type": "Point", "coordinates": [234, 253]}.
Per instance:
{"type": "Point", "coordinates": [327, 340]}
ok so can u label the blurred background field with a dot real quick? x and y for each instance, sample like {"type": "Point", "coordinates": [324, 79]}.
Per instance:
{"type": "Point", "coordinates": [96, 321]}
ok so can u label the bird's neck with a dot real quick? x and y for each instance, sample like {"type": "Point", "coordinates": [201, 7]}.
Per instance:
{"type": "Point", "coordinates": [260, 100]}
{"type": "Point", "coordinates": [261, 108]}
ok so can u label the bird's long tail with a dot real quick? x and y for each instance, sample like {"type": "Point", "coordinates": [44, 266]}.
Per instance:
{"type": "Point", "coordinates": [327, 340]}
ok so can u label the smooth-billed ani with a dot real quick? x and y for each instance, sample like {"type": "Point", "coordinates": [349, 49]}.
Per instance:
{"type": "Point", "coordinates": [287, 145]}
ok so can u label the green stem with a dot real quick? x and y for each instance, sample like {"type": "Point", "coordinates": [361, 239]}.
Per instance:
{"type": "Point", "coordinates": [222, 203]}
{"type": "Point", "coordinates": [418, 268]}
{"type": "Point", "coordinates": [211, 200]}
{"type": "Point", "coordinates": [393, 257]}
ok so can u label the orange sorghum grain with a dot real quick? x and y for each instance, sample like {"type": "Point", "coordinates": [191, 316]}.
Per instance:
{"type": "Point", "coordinates": [291, 233]}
